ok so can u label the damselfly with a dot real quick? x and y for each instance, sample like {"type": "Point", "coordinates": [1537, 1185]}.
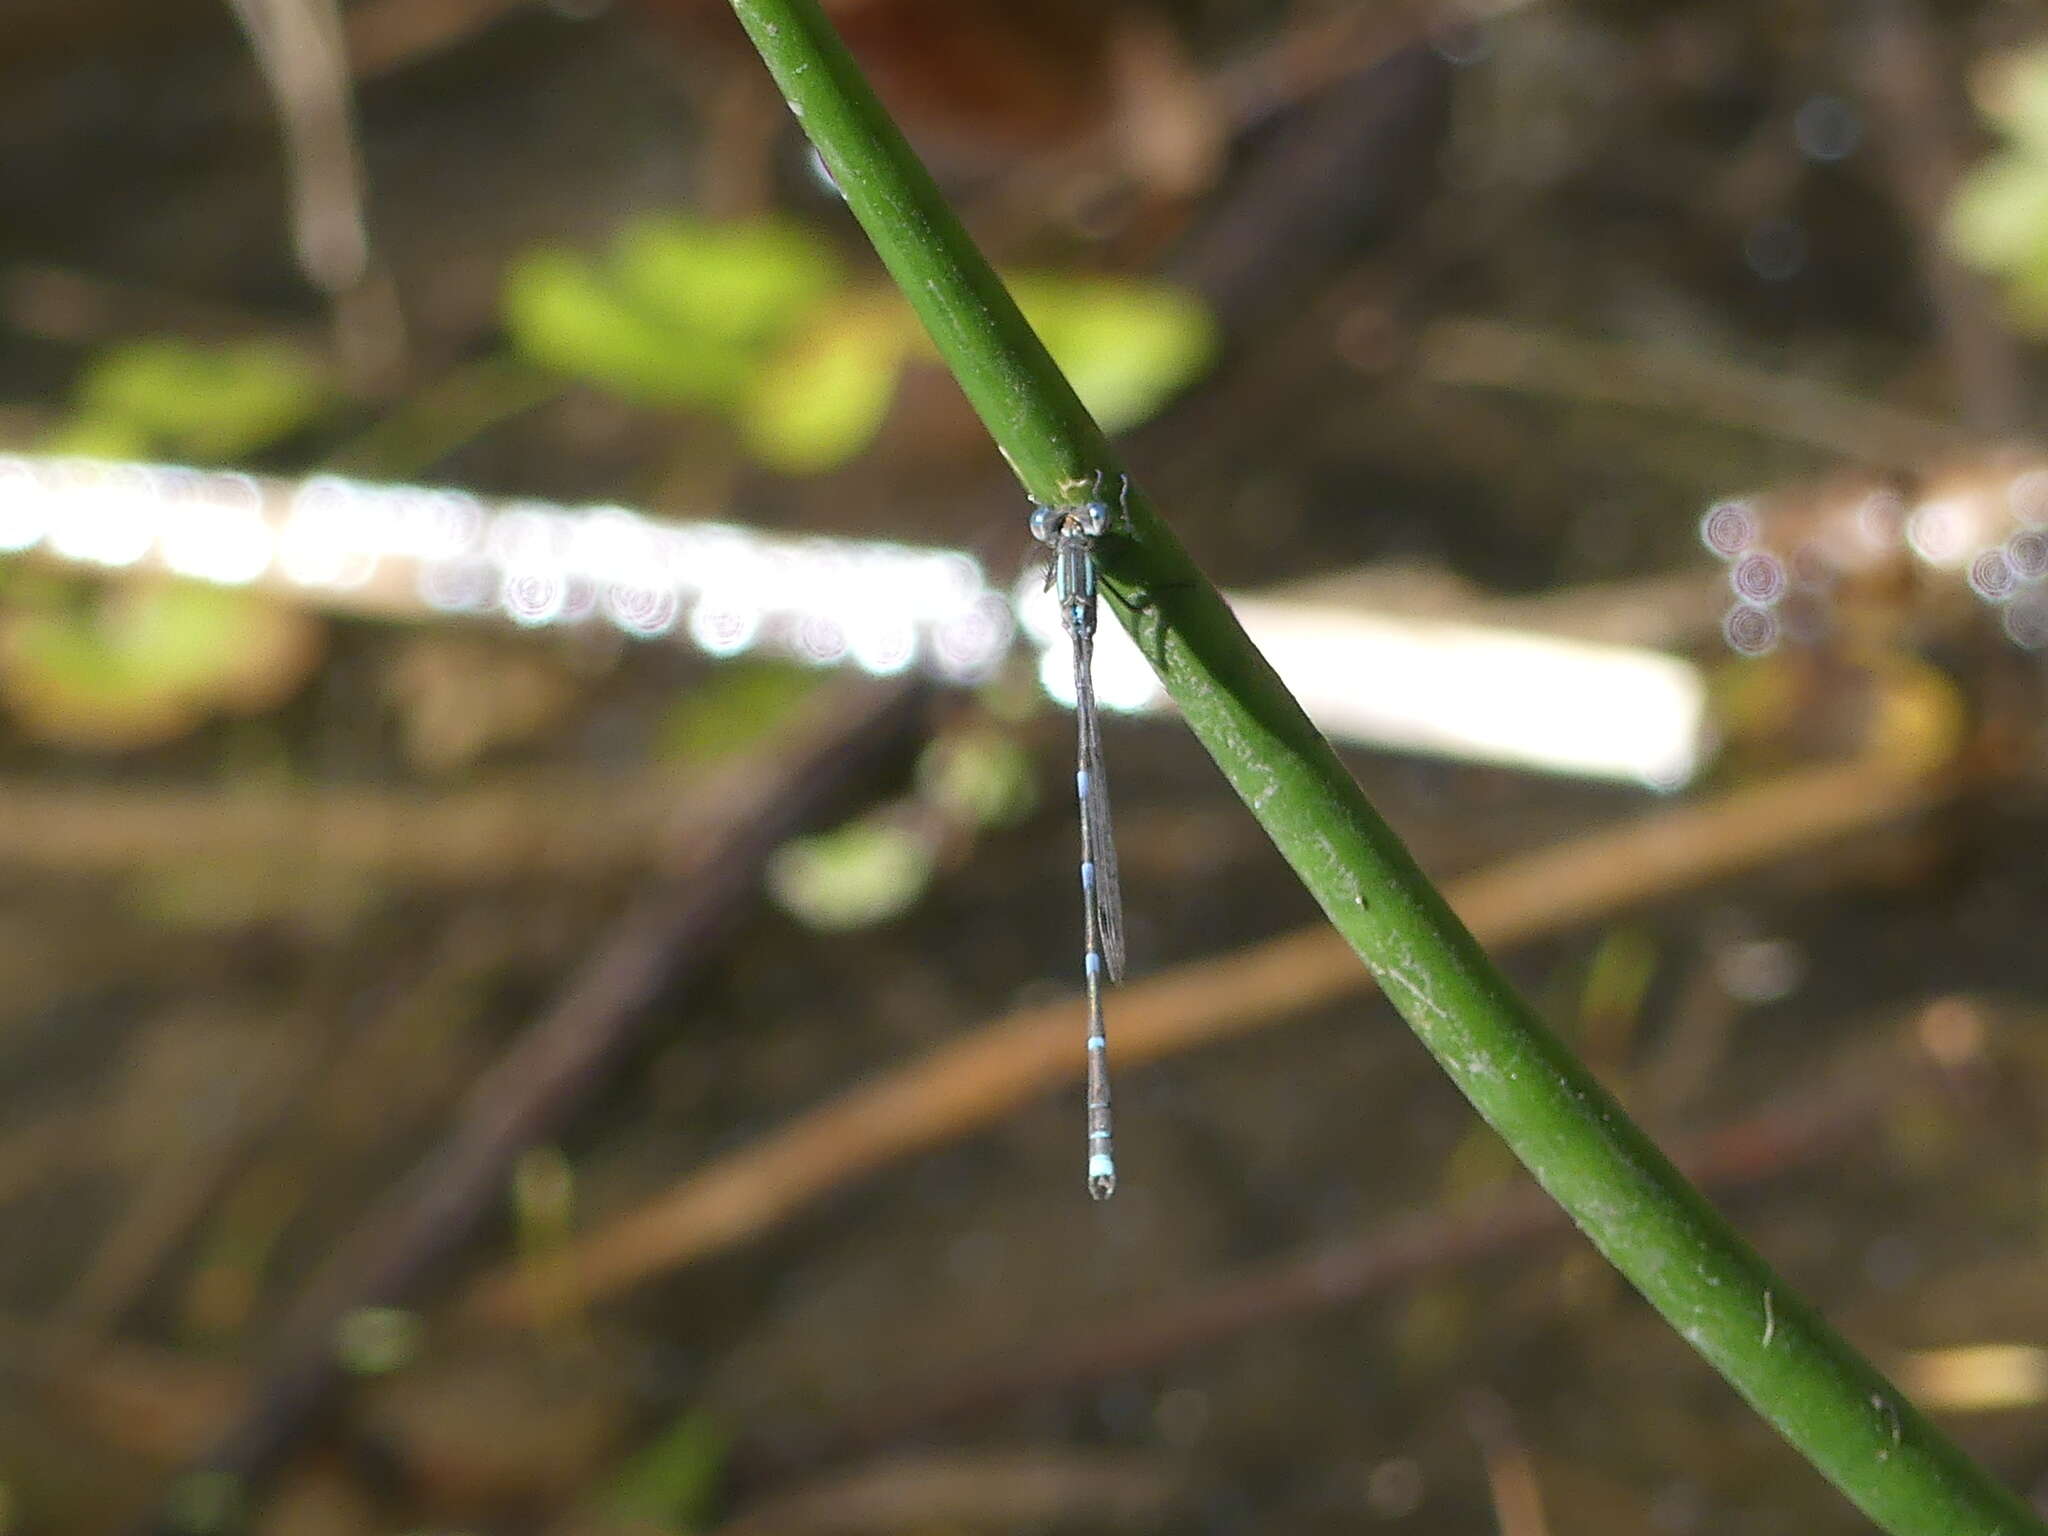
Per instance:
{"type": "Point", "coordinates": [1071, 532]}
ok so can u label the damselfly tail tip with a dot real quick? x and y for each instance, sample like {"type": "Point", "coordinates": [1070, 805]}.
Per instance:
{"type": "Point", "coordinates": [1101, 1179]}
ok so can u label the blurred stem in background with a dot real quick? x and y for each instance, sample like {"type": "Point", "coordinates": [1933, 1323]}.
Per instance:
{"type": "Point", "coordinates": [1847, 1419]}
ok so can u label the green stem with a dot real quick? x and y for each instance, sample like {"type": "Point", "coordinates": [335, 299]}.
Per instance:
{"type": "Point", "coordinates": [1854, 1425]}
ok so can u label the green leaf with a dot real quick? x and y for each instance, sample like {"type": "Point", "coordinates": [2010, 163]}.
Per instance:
{"type": "Point", "coordinates": [95, 435]}
{"type": "Point", "coordinates": [375, 1341]}
{"type": "Point", "coordinates": [1998, 222]}
{"type": "Point", "coordinates": [682, 313]}
{"type": "Point", "coordinates": [745, 284]}
{"type": "Point", "coordinates": [563, 314]}
{"type": "Point", "coordinates": [2027, 299]}
{"type": "Point", "coordinates": [204, 402]}
{"type": "Point", "coordinates": [2017, 102]}
{"type": "Point", "coordinates": [854, 876]}
{"type": "Point", "coordinates": [1998, 218]}
{"type": "Point", "coordinates": [982, 776]}
{"type": "Point", "coordinates": [670, 1485]}
{"type": "Point", "coordinates": [1126, 345]}
{"type": "Point", "coordinates": [147, 663]}
{"type": "Point", "coordinates": [823, 398]}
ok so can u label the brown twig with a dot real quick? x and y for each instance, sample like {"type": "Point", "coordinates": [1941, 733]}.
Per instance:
{"type": "Point", "coordinates": [1510, 1468]}
{"type": "Point", "coordinates": [1911, 84]}
{"type": "Point", "coordinates": [1310, 56]}
{"type": "Point", "coordinates": [1798, 1129]}
{"type": "Point", "coordinates": [1007, 1491]}
{"type": "Point", "coordinates": [1493, 355]}
{"type": "Point", "coordinates": [154, 1403]}
{"type": "Point", "coordinates": [552, 1068]}
{"type": "Point", "coordinates": [178, 1187]}
{"type": "Point", "coordinates": [548, 826]}
{"type": "Point", "coordinates": [971, 1082]}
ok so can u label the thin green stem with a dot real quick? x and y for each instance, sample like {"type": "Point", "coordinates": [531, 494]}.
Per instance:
{"type": "Point", "coordinates": [1854, 1425]}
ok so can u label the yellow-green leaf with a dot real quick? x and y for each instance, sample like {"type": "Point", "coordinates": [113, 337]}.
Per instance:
{"type": "Point", "coordinates": [95, 435]}
{"type": "Point", "coordinates": [854, 876]}
{"type": "Point", "coordinates": [2016, 99]}
{"type": "Point", "coordinates": [563, 314]}
{"type": "Point", "coordinates": [147, 662]}
{"type": "Point", "coordinates": [1128, 346]}
{"type": "Point", "coordinates": [1998, 218]}
{"type": "Point", "coordinates": [744, 284]}
{"type": "Point", "coordinates": [982, 776]}
{"type": "Point", "coordinates": [822, 399]}
{"type": "Point", "coordinates": [205, 402]}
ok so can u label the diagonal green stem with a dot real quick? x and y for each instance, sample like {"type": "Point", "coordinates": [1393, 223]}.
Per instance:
{"type": "Point", "coordinates": [1854, 1425]}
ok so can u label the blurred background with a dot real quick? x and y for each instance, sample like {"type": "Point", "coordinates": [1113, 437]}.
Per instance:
{"type": "Point", "coordinates": [538, 941]}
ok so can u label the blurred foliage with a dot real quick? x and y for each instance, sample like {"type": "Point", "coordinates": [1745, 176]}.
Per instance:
{"type": "Point", "coordinates": [313, 898]}
{"type": "Point", "coordinates": [235, 1252]}
{"type": "Point", "coordinates": [982, 777]}
{"type": "Point", "coordinates": [758, 323]}
{"type": "Point", "coordinates": [202, 403]}
{"type": "Point", "coordinates": [739, 706]}
{"type": "Point", "coordinates": [1614, 992]}
{"type": "Point", "coordinates": [745, 284]}
{"type": "Point", "coordinates": [1127, 345]}
{"type": "Point", "coordinates": [823, 398]}
{"type": "Point", "coordinates": [375, 1341]}
{"type": "Point", "coordinates": [873, 869]}
{"type": "Point", "coordinates": [1998, 220]}
{"type": "Point", "coordinates": [682, 312]}
{"type": "Point", "coordinates": [670, 1485]}
{"type": "Point", "coordinates": [143, 663]}
{"type": "Point", "coordinates": [854, 876]}
{"type": "Point", "coordinates": [121, 668]}
{"type": "Point", "coordinates": [457, 698]}
{"type": "Point", "coordinates": [206, 1501]}
{"type": "Point", "coordinates": [544, 1190]}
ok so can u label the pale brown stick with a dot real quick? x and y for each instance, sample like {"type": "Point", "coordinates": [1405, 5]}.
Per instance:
{"type": "Point", "coordinates": [301, 50]}
{"type": "Point", "coordinates": [1510, 1466]}
{"type": "Point", "coordinates": [1495, 355]}
{"type": "Point", "coordinates": [519, 827]}
{"type": "Point", "coordinates": [978, 1078]}
{"type": "Point", "coordinates": [1012, 1489]}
